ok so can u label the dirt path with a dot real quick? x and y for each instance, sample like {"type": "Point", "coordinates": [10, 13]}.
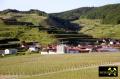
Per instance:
{"type": "Point", "coordinates": [66, 70]}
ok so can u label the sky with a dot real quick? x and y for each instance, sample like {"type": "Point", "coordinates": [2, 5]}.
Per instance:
{"type": "Point", "coordinates": [52, 6]}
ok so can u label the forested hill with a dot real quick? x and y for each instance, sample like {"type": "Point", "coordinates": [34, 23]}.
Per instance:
{"type": "Point", "coordinates": [110, 14]}
{"type": "Point", "coordinates": [73, 14]}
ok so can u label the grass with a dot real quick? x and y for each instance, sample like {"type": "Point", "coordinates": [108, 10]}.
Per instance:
{"type": "Point", "coordinates": [9, 30]}
{"type": "Point", "coordinates": [34, 18]}
{"type": "Point", "coordinates": [99, 30]}
{"type": "Point", "coordinates": [37, 64]}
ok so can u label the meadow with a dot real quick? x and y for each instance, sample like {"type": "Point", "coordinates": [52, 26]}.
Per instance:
{"type": "Point", "coordinates": [66, 66]}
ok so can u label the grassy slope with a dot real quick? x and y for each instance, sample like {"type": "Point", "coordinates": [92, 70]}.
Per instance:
{"type": "Point", "coordinates": [96, 29]}
{"type": "Point", "coordinates": [13, 31]}
{"type": "Point", "coordinates": [34, 18]}
{"type": "Point", "coordinates": [40, 64]}
{"type": "Point", "coordinates": [6, 30]}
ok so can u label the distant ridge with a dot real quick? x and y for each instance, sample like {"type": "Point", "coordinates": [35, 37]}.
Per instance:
{"type": "Point", "coordinates": [110, 14]}
{"type": "Point", "coordinates": [42, 13]}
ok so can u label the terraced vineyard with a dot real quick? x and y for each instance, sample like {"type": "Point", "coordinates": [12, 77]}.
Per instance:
{"type": "Point", "coordinates": [67, 66]}
{"type": "Point", "coordinates": [76, 38]}
{"type": "Point", "coordinates": [9, 32]}
{"type": "Point", "coordinates": [63, 30]}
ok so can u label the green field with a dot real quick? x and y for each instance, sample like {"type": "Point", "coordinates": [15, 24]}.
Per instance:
{"type": "Point", "coordinates": [67, 66]}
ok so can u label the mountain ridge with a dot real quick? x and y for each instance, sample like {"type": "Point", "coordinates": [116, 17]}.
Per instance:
{"type": "Point", "coordinates": [110, 14]}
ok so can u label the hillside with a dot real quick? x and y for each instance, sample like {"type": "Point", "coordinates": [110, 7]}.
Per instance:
{"type": "Point", "coordinates": [14, 26]}
{"type": "Point", "coordinates": [99, 22]}
{"type": "Point", "coordinates": [38, 18]}
{"type": "Point", "coordinates": [33, 25]}
{"type": "Point", "coordinates": [110, 14]}
{"type": "Point", "coordinates": [98, 30]}
{"type": "Point", "coordinates": [78, 25]}
{"type": "Point", "coordinates": [73, 14]}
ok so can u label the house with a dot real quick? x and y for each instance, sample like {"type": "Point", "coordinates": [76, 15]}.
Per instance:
{"type": "Point", "coordinates": [10, 51]}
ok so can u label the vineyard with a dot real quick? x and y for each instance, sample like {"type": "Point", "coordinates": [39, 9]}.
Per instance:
{"type": "Point", "coordinates": [67, 66]}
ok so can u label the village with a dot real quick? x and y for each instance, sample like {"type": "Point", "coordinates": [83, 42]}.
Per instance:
{"type": "Point", "coordinates": [105, 45]}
